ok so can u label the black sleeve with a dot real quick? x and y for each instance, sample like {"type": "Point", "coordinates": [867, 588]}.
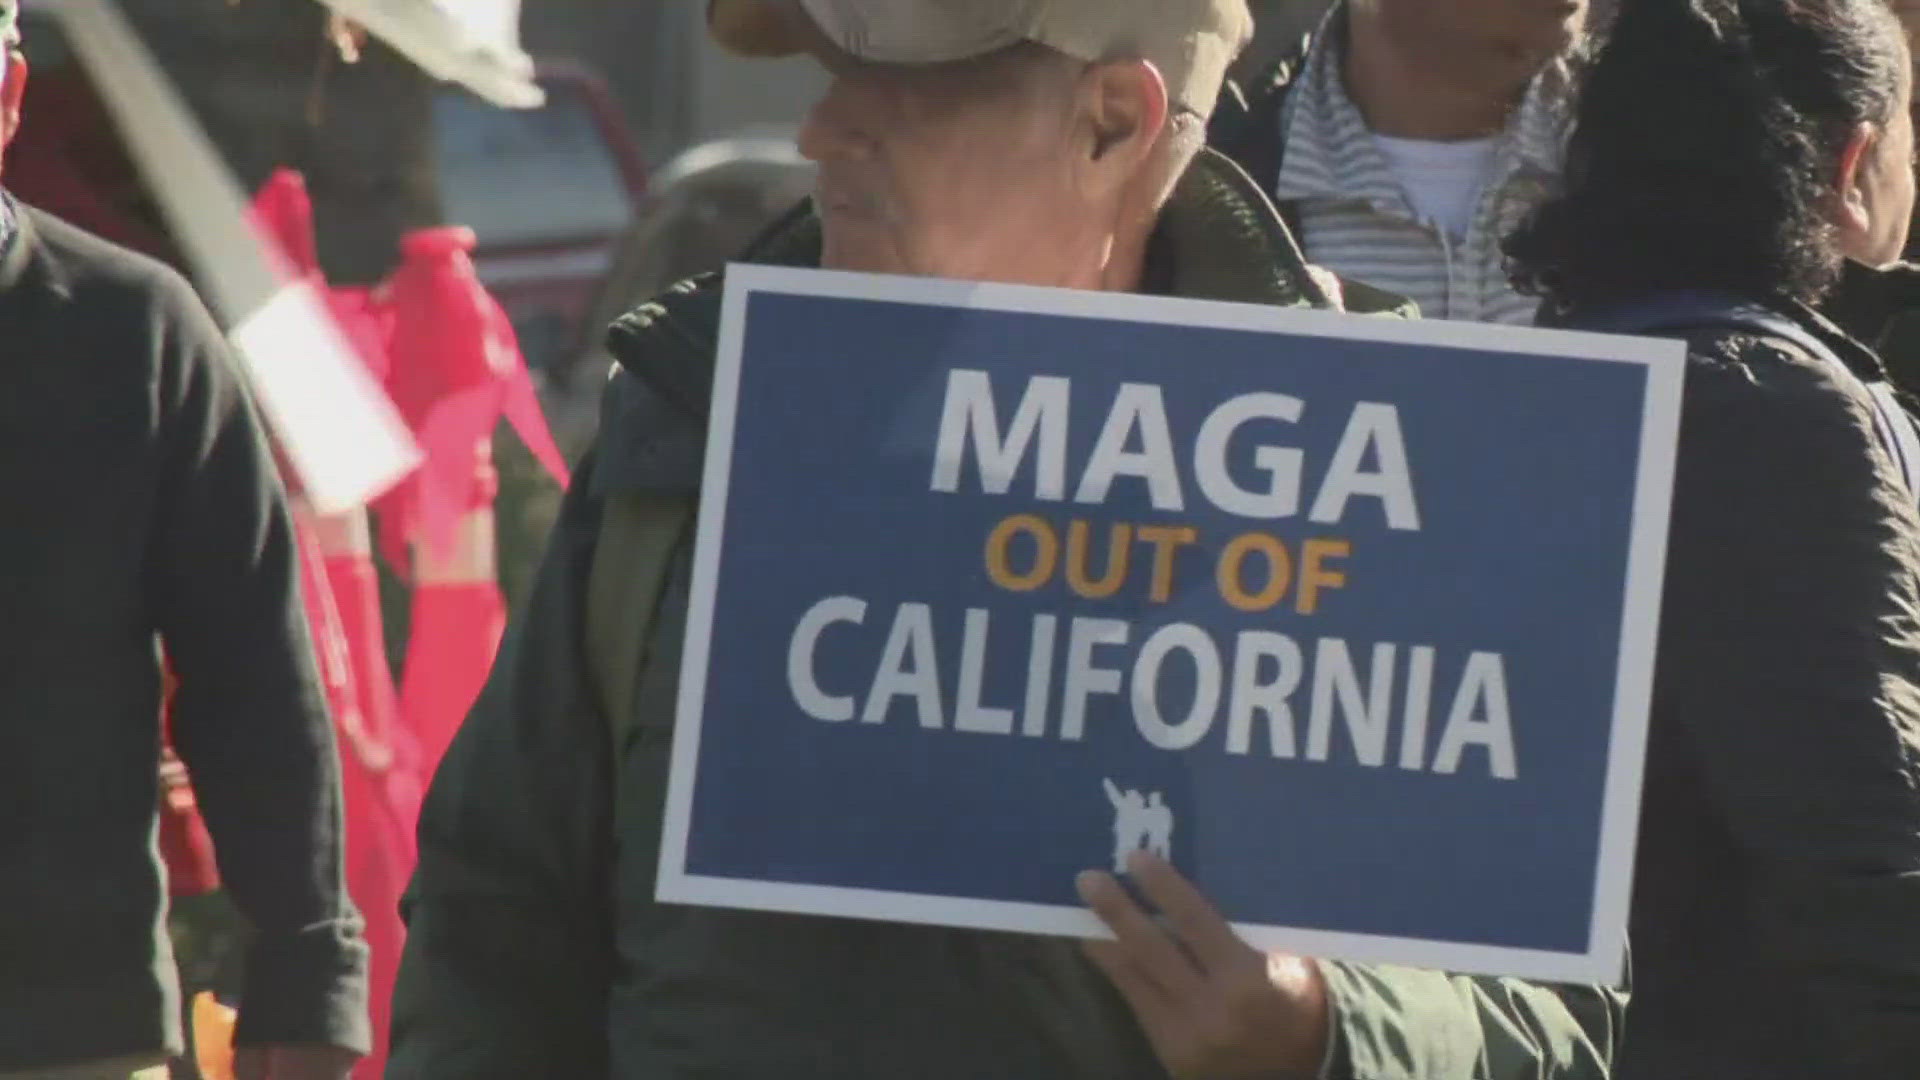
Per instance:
{"type": "Point", "coordinates": [251, 719]}
{"type": "Point", "coordinates": [1793, 613]}
{"type": "Point", "coordinates": [509, 952]}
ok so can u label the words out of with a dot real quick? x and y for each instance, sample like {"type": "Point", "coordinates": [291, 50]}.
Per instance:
{"type": "Point", "coordinates": [1400, 705]}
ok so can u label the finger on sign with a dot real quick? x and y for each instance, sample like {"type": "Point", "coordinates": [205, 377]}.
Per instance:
{"type": "Point", "coordinates": [1191, 916]}
{"type": "Point", "coordinates": [1145, 997]}
{"type": "Point", "coordinates": [1151, 950]}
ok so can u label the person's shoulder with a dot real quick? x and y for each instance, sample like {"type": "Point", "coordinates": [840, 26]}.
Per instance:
{"type": "Point", "coordinates": [1741, 356]}
{"type": "Point", "coordinates": [653, 410]}
{"type": "Point", "coordinates": [101, 279]}
{"type": "Point", "coordinates": [1748, 385]}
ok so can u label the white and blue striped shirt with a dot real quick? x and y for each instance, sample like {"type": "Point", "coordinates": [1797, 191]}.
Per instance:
{"type": "Point", "coordinates": [1356, 219]}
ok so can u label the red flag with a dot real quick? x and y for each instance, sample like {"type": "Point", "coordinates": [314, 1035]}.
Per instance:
{"type": "Point", "coordinates": [379, 765]}
{"type": "Point", "coordinates": [457, 371]}
{"type": "Point", "coordinates": [379, 826]}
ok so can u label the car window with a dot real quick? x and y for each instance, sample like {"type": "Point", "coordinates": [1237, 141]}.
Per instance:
{"type": "Point", "coordinates": [528, 176]}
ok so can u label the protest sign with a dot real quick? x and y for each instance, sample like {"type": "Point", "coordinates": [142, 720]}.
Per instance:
{"type": "Point", "coordinates": [1351, 618]}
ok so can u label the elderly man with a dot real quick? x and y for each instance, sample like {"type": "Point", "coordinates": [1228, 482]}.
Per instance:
{"type": "Point", "coordinates": [1051, 142]}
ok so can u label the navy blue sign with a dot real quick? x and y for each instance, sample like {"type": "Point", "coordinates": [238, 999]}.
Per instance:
{"type": "Point", "coordinates": [1351, 618]}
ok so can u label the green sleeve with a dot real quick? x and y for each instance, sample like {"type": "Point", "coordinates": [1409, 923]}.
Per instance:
{"type": "Point", "coordinates": [1394, 1023]}
{"type": "Point", "coordinates": [508, 954]}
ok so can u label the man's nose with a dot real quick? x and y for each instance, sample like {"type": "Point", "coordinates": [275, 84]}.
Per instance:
{"type": "Point", "coordinates": [836, 126]}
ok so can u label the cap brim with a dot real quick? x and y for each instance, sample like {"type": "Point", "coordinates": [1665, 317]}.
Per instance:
{"type": "Point", "coordinates": [761, 28]}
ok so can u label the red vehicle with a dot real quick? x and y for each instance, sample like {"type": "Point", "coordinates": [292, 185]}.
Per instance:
{"type": "Point", "coordinates": [548, 192]}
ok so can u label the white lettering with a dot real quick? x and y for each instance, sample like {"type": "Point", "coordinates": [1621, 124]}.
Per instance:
{"type": "Point", "coordinates": [1146, 683]}
{"type": "Point", "coordinates": [807, 694]}
{"type": "Point", "coordinates": [969, 412]}
{"type": "Point", "coordinates": [910, 638]}
{"type": "Point", "coordinates": [1367, 717]}
{"type": "Point", "coordinates": [1377, 426]}
{"type": "Point", "coordinates": [1281, 464]}
{"type": "Point", "coordinates": [1137, 405]}
{"type": "Point", "coordinates": [1413, 736]}
{"type": "Point", "coordinates": [1483, 689]}
{"type": "Point", "coordinates": [1083, 678]}
{"type": "Point", "coordinates": [1250, 695]}
{"type": "Point", "coordinates": [1033, 721]}
{"type": "Point", "coordinates": [970, 714]}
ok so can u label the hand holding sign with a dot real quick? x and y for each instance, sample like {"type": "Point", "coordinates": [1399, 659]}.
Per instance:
{"type": "Point", "coordinates": [1210, 1004]}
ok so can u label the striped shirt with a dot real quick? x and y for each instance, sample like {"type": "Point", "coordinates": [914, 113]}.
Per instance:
{"type": "Point", "coordinates": [1356, 220]}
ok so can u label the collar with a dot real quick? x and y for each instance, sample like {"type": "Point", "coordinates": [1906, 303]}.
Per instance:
{"type": "Point", "coordinates": [1331, 153]}
{"type": "Point", "coordinates": [1221, 239]}
{"type": "Point", "coordinates": [1852, 351]}
{"type": "Point", "coordinates": [1694, 315]}
{"type": "Point", "coordinates": [1868, 301]}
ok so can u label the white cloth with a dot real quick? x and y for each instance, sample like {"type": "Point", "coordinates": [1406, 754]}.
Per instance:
{"type": "Point", "coordinates": [1443, 181]}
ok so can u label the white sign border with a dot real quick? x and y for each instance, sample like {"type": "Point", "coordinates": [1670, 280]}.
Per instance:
{"type": "Point", "coordinates": [1601, 962]}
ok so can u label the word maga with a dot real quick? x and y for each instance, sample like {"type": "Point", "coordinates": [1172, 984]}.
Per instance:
{"type": "Point", "coordinates": [1138, 415]}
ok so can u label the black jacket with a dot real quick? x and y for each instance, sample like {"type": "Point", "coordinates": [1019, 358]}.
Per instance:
{"type": "Point", "coordinates": [1776, 918]}
{"type": "Point", "coordinates": [1776, 914]}
{"type": "Point", "coordinates": [1246, 123]}
{"type": "Point", "coordinates": [138, 499]}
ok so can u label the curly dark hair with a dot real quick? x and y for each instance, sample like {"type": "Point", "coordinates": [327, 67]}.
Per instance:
{"type": "Point", "coordinates": [1706, 135]}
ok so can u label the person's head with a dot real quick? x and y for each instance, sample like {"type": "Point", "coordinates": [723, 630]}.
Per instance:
{"type": "Point", "coordinates": [1743, 145]}
{"type": "Point", "coordinates": [1496, 46]}
{"type": "Point", "coordinates": [13, 72]}
{"type": "Point", "coordinates": [1027, 141]}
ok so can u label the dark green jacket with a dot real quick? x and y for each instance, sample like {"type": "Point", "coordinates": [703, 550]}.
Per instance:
{"type": "Point", "coordinates": [536, 948]}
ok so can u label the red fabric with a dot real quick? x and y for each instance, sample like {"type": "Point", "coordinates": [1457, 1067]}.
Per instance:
{"type": "Point", "coordinates": [283, 211]}
{"type": "Point", "coordinates": [67, 160]}
{"type": "Point", "coordinates": [283, 215]}
{"type": "Point", "coordinates": [378, 862]}
{"type": "Point", "coordinates": [185, 847]}
{"type": "Point", "coordinates": [379, 767]}
{"type": "Point", "coordinates": [380, 739]}
{"type": "Point", "coordinates": [457, 371]}
{"type": "Point", "coordinates": [456, 628]}
{"type": "Point", "coordinates": [447, 355]}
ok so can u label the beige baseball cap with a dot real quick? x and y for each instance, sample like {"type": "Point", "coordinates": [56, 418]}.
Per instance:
{"type": "Point", "coordinates": [1191, 42]}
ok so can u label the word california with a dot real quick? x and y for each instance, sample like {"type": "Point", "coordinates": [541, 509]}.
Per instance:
{"type": "Point", "coordinates": [1391, 705]}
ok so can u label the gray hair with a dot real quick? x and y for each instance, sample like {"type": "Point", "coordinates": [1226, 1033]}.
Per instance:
{"type": "Point", "coordinates": [1184, 136]}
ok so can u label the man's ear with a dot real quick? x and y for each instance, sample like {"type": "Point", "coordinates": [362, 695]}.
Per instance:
{"type": "Point", "coordinates": [1124, 107]}
{"type": "Point", "coordinates": [1851, 215]}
